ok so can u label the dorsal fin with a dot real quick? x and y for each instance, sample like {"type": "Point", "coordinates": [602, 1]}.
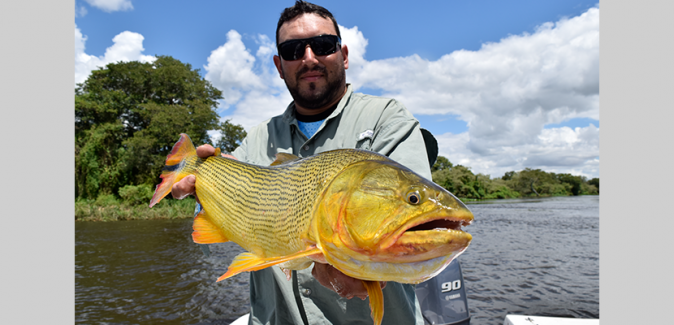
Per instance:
{"type": "Point", "coordinates": [284, 158]}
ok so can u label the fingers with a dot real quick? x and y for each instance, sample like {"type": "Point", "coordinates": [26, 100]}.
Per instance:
{"type": "Point", "coordinates": [205, 151]}
{"type": "Point", "coordinates": [344, 285]}
{"type": "Point", "coordinates": [184, 187]}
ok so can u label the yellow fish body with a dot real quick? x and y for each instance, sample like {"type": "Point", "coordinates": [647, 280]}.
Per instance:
{"type": "Point", "coordinates": [368, 216]}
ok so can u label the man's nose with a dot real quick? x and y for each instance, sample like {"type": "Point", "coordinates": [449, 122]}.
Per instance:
{"type": "Point", "coordinates": [309, 56]}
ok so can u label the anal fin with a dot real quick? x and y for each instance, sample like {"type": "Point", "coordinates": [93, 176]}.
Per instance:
{"type": "Point", "coordinates": [246, 262]}
{"type": "Point", "coordinates": [376, 300]}
{"type": "Point", "coordinates": [205, 232]}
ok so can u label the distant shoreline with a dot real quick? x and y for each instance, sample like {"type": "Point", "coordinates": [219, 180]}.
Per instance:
{"type": "Point", "coordinates": [168, 209]}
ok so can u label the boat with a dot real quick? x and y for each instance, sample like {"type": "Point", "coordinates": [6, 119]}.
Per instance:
{"type": "Point", "coordinates": [544, 320]}
{"type": "Point", "coordinates": [443, 302]}
{"type": "Point", "coordinates": [443, 299]}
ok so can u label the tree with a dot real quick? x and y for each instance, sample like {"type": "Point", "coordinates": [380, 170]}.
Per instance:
{"type": "Point", "coordinates": [458, 180]}
{"type": "Point", "coordinates": [537, 182]}
{"type": "Point", "coordinates": [574, 181]}
{"type": "Point", "coordinates": [128, 115]}
{"type": "Point", "coordinates": [441, 163]}
{"type": "Point", "coordinates": [508, 176]}
{"type": "Point", "coordinates": [595, 182]}
{"type": "Point", "coordinates": [232, 135]}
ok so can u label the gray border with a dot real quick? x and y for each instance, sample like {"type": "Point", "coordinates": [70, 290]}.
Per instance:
{"type": "Point", "coordinates": [635, 233]}
{"type": "Point", "coordinates": [38, 244]}
{"type": "Point", "coordinates": [37, 126]}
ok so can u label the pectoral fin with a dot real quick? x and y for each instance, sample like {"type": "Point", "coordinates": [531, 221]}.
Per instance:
{"type": "Point", "coordinates": [284, 158]}
{"type": "Point", "coordinates": [376, 300]}
{"type": "Point", "coordinates": [246, 262]}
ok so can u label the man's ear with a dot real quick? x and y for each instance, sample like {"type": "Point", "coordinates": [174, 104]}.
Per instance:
{"type": "Point", "coordinates": [277, 63]}
{"type": "Point", "coordinates": [345, 54]}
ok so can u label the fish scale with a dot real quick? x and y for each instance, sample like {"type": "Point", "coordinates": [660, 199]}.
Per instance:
{"type": "Point", "coordinates": [271, 204]}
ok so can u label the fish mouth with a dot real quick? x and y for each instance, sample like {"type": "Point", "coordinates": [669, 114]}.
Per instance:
{"type": "Point", "coordinates": [439, 224]}
{"type": "Point", "coordinates": [428, 238]}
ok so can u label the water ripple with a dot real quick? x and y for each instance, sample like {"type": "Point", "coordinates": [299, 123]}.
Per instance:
{"type": "Point", "coordinates": [536, 256]}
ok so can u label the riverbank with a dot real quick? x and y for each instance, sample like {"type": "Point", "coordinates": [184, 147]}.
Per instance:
{"type": "Point", "coordinates": [113, 210]}
{"type": "Point", "coordinates": [90, 210]}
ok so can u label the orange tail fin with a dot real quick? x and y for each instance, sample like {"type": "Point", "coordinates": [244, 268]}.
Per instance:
{"type": "Point", "coordinates": [173, 170]}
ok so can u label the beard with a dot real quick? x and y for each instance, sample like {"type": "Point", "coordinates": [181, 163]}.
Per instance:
{"type": "Point", "coordinates": [316, 97]}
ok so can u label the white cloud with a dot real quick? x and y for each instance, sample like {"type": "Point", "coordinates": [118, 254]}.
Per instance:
{"type": "Point", "coordinates": [128, 46]}
{"type": "Point", "coordinates": [250, 84]}
{"type": "Point", "coordinates": [506, 91]}
{"type": "Point", "coordinates": [559, 150]}
{"type": "Point", "coordinates": [80, 11]}
{"type": "Point", "coordinates": [356, 43]}
{"type": "Point", "coordinates": [111, 5]}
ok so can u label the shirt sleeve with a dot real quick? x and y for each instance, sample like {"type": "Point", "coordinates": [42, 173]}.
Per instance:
{"type": "Point", "coordinates": [398, 136]}
{"type": "Point", "coordinates": [240, 152]}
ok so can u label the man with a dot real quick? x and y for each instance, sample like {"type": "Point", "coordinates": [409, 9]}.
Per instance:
{"type": "Point", "coordinates": [324, 115]}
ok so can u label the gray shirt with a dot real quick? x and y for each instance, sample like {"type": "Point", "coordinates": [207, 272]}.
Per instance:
{"type": "Point", "coordinates": [359, 121]}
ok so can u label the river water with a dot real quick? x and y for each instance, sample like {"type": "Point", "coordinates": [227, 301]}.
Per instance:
{"type": "Point", "coordinates": [528, 256]}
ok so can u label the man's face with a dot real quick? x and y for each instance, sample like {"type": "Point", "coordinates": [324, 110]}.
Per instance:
{"type": "Point", "coordinates": [313, 81]}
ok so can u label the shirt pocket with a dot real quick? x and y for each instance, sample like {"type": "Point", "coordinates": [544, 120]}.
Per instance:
{"type": "Point", "coordinates": [364, 139]}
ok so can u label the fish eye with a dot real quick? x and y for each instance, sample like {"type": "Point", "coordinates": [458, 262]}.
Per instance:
{"type": "Point", "coordinates": [413, 197]}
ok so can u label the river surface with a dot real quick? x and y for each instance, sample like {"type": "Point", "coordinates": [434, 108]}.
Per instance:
{"type": "Point", "coordinates": [528, 256]}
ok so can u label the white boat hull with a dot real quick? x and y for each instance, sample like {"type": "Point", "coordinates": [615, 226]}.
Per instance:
{"type": "Point", "coordinates": [541, 320]}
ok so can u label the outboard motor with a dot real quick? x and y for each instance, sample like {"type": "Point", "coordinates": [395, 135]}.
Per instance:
{"type": "Point", "coordinates": [443, 298]}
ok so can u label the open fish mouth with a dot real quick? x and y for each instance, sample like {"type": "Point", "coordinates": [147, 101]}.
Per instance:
{"type": "Point", "coordinates": [429, 239]}
{"type": "Point", "coordinates": [440, 224]}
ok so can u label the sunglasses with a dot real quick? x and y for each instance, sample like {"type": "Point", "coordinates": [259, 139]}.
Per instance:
{"type": "Point", "coordinates": [321, 45]}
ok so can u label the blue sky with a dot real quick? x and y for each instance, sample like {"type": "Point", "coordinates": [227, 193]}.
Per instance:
{"type": "Point", "coordinates": [503, 85]}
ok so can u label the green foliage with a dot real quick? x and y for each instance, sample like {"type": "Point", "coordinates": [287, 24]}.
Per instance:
{"type": "Point", "coordinates": [530, 182]}
{"type": "Point", "coordinates": [508, 176]}
{"type": "Point", "coordinates": [136, 195]}
{"type": "Point", "coordinates": [441, 163]}
{"type": "Point", "coordinates": [232, 134]}
{"type": "Point", "coordinates": [128, 115]}
{"type": "Point", "coordinates": [594, 182]}
{"type": "Point", "coordinates": [461, 181]}
{"type": "Point", "coordinates": [99, 166]}
{"type": "Point", "coordinates": [574, 181]}
{"type": "Point", "coordinates": [105, 200]}
{"type": "Point", "coordinates": [87, 210]}
{"type": "Point", "coordinates": [497, 188]}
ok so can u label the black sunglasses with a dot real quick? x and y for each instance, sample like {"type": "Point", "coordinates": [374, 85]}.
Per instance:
{"type": "Point", "coordinates": [293, 49]}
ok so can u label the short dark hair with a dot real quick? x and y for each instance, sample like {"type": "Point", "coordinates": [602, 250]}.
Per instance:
{"type": "Point", "coordinates": [301, 8]}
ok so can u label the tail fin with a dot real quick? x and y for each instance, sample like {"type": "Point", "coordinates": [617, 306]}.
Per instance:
{"type": "Point", "coordinates": [173, 170]}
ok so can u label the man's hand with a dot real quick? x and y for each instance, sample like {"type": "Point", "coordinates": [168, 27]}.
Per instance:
{"type": "Point", "coordinates": [344, 285]}
{"type": "Point", "coordinates": [185, 186]}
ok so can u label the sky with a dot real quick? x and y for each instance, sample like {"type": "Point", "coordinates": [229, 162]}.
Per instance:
{"type": "Point", "coordinates": [503, 85]}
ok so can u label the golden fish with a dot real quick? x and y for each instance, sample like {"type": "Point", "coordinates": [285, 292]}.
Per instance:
{"type": "Point", "coordinates": [368, 216]}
